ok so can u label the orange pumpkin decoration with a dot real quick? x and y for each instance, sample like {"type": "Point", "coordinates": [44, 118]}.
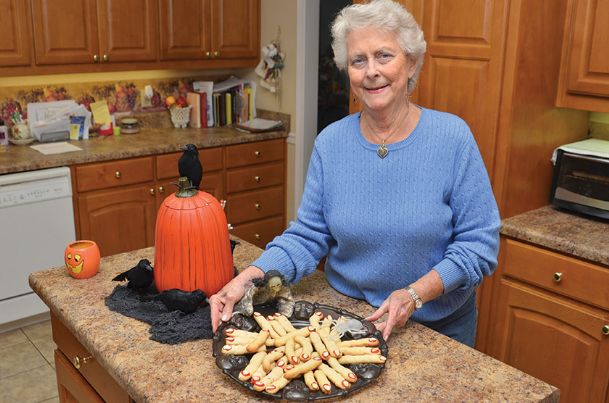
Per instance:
{"type": "Point", "coordinates": [192, 247]}
{"type": "Point", "coordinates": [82, 259]}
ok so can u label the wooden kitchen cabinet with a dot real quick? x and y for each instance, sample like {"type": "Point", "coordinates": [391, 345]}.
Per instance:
{"type": "Point", "coordinates": [551, 320]}
{"type": "Point", "coordinates": [209, 29]}
{"type": "Point", "coordinates": [15, 40]}
{"type": "Point", "coordinates": [584, 74]}
{"type": "Point", "coordinates": [94, 31]}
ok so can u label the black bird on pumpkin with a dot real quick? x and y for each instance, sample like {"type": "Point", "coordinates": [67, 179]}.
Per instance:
{"type": "Point", "coordinates": [178, 300]}
{"type": "Point", "coordinates": [190, 166]}
{"type": "Point", "coordinates": [140, 276]}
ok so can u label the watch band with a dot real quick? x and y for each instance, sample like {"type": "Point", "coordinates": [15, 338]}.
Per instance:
{"type": "Point", "coordinates": [418, 302]}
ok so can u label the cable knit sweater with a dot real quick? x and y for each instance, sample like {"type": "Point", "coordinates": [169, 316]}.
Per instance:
{"type": "Point", "coordinates": [384, 223]}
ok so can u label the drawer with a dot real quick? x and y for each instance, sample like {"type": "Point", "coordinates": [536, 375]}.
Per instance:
{"type": "Point", "coordinates": [71, 386]}
{"type": "Point", "coordinates": [254, 153]}
{"type": "Point", "coordinates": [260, 232]}
{"type": "Point", "coordinates": [561, 274]}
{"type": "Point", "coordinates": [254, 206]}
{"type": "Point", "coordinates": [255, 177]}
{"type": "Point", "coordinates": [91, 370]}
{"type": "Point", "coordinates": [167, 164]}
{"type": "Point", "coordinates": [105, 175]}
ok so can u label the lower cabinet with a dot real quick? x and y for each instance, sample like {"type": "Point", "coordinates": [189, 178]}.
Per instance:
{"type": "Point", "coordinates": [545, 326]}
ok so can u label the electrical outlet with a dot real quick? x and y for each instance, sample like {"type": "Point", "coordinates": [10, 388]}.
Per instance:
{"type": "Point", "coordinates": [146, 101]}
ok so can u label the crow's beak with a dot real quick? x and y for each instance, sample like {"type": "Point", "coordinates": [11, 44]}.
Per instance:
{"type": "Point", "coordinates": [183, 148]}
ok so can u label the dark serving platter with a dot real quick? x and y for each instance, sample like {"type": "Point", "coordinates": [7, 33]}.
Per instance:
{"type": "Point", "coordinates": [231, 365]}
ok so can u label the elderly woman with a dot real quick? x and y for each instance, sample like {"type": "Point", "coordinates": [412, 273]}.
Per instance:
{"type": "Point", "coordinates": [397, 197]}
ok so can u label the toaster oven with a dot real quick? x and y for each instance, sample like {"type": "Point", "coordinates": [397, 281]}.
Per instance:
{"type": "Point", "coordinates": [581, 182]}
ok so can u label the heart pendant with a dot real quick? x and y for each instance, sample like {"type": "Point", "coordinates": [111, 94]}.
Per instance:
{"type": "Point", "coordinates": [382, 151]}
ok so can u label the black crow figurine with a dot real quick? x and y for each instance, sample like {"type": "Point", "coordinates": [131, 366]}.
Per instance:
{"type": "Point", "coordinates": [190, 166]}
{"type": "Point", "coordinates": [178, 300]}
{"type": "Point", "coordinates": [140, 277]}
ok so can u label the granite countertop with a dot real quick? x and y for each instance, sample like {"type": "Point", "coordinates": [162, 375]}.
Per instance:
{"type": "Point", "coordinates": [422, 365]}
{"type": "Point", "coordinates": [570, 233]}
{"type": "Point", "coordinates": [156, 136]}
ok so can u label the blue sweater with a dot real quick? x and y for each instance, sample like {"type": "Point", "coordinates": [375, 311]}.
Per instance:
{"type": "Point", "coordinates": [384, 223]}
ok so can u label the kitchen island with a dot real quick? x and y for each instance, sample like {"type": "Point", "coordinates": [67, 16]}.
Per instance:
{"type": "Point", "coordinates": [423, 365]}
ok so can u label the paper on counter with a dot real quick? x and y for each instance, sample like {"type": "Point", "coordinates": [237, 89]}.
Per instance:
{"type": "Point", "coordinates": [55, 148]}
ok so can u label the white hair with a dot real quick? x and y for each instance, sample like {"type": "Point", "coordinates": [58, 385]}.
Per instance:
{"type": "Point", "coordinates": [385, 15]}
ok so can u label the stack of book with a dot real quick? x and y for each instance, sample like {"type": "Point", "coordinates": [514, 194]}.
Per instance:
{"type": "Point", "coordinates": [222, 104]}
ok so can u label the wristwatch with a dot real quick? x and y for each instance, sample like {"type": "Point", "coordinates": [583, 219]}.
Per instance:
{"type": "Point", "coordinates": [418, 302]}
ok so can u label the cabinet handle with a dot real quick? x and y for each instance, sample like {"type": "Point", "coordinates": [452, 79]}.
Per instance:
{"type": "Point", "coordinates": [161, 189]}
{"type": "Point", "coordinates": [117, 174]}
{"type": "Point", "coordinates": [257, 178]}
{"type": "Point", "coordinates": [223, 203]}
{"type": "Point", "coordinates": [557, 277]}
{"type": "Point", "coordinates": [208, 54]}
{"type": "Point", "coordinates": [257, 236]}
{"type": "Point", "coordinates": [605, 330]}
{"type": "Point", "coordinates": [257, 205]}
{"type": "Point", "coordinates": [230, 226]}
{"type": "Point", "coordinates": [95, 58]}
{"type": "Point", "coordinates": [78, 362]}
{"type": "Point", "coordinates": [257, 153]}
{"type": "Point", "coordinates": [216, 53]}
{"type": "Point", "coordinates": [151, 191]}
{"type": "Point", "coordinates": [105, 58]}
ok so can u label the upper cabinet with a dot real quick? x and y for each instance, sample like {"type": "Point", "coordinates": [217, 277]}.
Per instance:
{"type": "Point", "coordinates": [77, 36]}
{"type": "Point", "coordinates": [584, 78]}
{"type": "Point", "coordinates": [209, 29]}
{"type": "Point", "coordinates": [14, 33]}
{"type": "Point", "coordinates": [90, 31]}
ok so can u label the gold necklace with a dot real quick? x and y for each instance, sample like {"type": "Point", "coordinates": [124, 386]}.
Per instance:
{"type": "Point", "coordinates": [383, 151]}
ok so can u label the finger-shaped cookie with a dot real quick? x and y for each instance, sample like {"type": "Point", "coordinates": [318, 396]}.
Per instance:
{"type": "Point", "coordinates": [343, 371]}
{"type": "Point", "coordinates": [258, 374]}
{"type": "Point", "coordinates": [322, 381]}
{"type": "Point", "coordinates": [254, 364]}
{"type": "Point", "coordinates": [276, 325]}
{"type": "Point", "coordinates": [319, 346]}
{"type": "Point", "coordinates": [258, 341]}
{"type": "Point", "coordinates": [231, 331]}
{"type": "Point", "coordinates": [362, 359]}
{"type": "Point", "coordinates": [315, 319]}
{"type": "Point", "coordinates": [238, 349]}
{"type": "Point", "coordinates": [309, 380]}
{"type": "Point", "coordinates": [285, 322]}
{"type": "Point", "coordinates": [303, 368]}
{"type": "Point", "coordinates": [299, 332]}
{"type": "Point", "coordinates": [264, 324]}
{"type": "Point", "coordinates": [330, 345]}
{"type": "Point", "coordinates": [271, 357]}
{"type": "Point", "coordinates": [324, 329]}
{"type": "Point", "coordinates": [307, 347]}
{"type": "Point", "coordinates": [365, 342]}
{"type": "Point", "coordinates": [296, 358]}
{"type": "Point", "coordinates": [360, 350]}
{"type": "Point", "coordinates": [238, 340]}
{"type": "Point", "coordinates": [289, 350]}
{"type": "Point", "coordinates": [276, 373]}
{"type": "Point", "coordinates": [336, 378]}
{"type": "Point", "coordinates": [277, 385]}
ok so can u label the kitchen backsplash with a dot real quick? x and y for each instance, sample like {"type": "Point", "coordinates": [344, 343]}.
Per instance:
{"type": "Point", "coordinates": [122, 96]}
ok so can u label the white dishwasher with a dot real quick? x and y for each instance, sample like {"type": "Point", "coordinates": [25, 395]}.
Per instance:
{"type": "Point", "coordinates": [36, 224]}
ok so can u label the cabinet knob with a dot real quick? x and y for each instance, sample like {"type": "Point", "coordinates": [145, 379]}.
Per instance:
{"type": "Point", "coordinates": [95, 58]}
{"type": "Point", "coordinates": [257, 205]}
{"type": "Point", "coordinates": [117, 174]}
{"type": "Point", "coordinates": [257, 153]}
{"type": "Point", "coordinates": [257, 236]}
{"type": "Point", "coordinates": [257, 178]}
{"type": "Point", "coordinates": [223, 203]}
{"type": "Point", "coordinates": [161, 189]}
{"type": "Point", "coordinates": [230, 226]}
{"type": "Point", "coordinates": [105, 58]}
{"type": "Point", "coordinates": [151, 191]}
{"type": "Point", "coordinates": [207, 54]}
{"type": "Point", "coordinates": [557, 277]}
{"type": "Point", "coordinates": [605, 330]}
{"type": "Point", "coordinates": [216, 53]}
{"type": "Point", "coordinates": [78, 362]}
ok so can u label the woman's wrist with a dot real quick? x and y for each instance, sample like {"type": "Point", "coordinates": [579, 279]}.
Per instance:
{"type": "Point", "coordinates": [250, 273]}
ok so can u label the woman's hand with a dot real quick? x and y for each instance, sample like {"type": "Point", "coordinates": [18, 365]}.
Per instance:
{"type": "Point", "coordinates": [222, 303]}
{"type": "Point", "coordinates": [399, 306]}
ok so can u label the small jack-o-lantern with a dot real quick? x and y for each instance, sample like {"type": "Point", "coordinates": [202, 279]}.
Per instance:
{"type": "Point", "coordinates": [82, 259]}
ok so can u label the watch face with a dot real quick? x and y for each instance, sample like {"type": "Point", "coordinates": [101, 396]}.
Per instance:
{"type": "Point", "coordinates": [418, 304]}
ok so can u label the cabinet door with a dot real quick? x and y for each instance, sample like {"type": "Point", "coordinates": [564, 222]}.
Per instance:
{"type": "Point", "coordinates": [72, 387]}
{"type": "Point", "coordinates": [588, 69]}
{"type": "Point", "coordinates": [128, 30]}
{"type": "Point", "coordinates": [119, 220]}
{"type": "Point", "coordinates": [65, 31]}
{"type": "Point", "coordinates": [235, 28]}
{"type": "Point", "coordinates": [557, 341]}
{"type": "Point", "coordinates": [185, 30]}
{"type": "Point", "coordinates": [462, 70]}
{"type": "Point", "coordinates": [211, 183]}
{"type": "Point", "coordinates": [15, 42]}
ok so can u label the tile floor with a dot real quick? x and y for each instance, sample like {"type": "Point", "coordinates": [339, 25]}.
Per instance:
{"type": "Point", "coordinates": [27, 369]}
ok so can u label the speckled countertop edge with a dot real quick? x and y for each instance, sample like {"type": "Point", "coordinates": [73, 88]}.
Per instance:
{"type": "Point", "coordinates": [561, 231]}
{"type": "Point", "coordinates": [423, 365]}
